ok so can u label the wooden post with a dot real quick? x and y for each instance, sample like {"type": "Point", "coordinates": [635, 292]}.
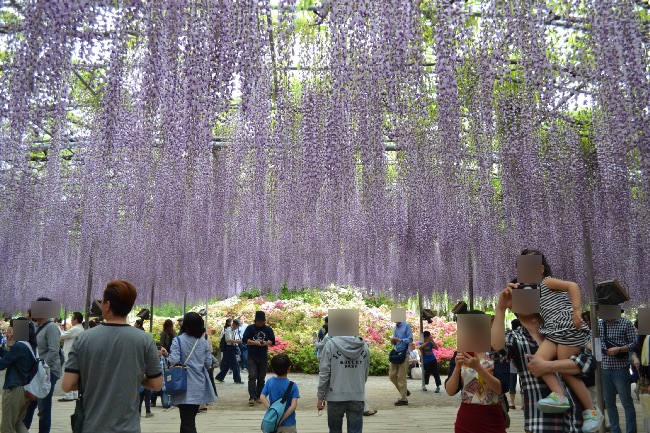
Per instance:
{"type": "Point", "coordinates": [184, 304]}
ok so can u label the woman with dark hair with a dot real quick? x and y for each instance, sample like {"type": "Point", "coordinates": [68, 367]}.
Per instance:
{"type": "Point", "coordinates": [19, 361]}
{"type": "Point", "coordinates": [193, 351]}
{"type": "Point", "coordinates": [481, 407]}
{"type": "Point", "coordinates": [167, 335]}
{"type": "Point", "coordinates": [219, 355]}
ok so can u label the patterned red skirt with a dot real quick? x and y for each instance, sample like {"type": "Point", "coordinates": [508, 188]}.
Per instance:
{"type": "Point", "coordinates": [478, 418]}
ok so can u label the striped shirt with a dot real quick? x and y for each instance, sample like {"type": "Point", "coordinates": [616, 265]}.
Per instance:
{"type": "Point", "coordinates": [557, 311]}
{"type": "Point", "coordinates": [520, 343]}
{"type": "Point", "coordinates": [621, 333]}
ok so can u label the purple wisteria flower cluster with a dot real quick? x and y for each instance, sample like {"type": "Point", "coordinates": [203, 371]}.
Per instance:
{"type": "Point", "coordinates": [202, 147]}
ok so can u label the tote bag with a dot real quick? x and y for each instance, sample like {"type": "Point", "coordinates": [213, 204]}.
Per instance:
{"type": "Point", "coordinates": [176, 377]}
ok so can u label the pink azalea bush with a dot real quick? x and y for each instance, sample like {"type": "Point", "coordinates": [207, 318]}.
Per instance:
{"type": "Point", "coordinates": [294, 321]}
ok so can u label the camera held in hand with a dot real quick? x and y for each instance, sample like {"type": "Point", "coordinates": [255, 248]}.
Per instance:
{"type": "Point", "coordinates": [609, 345]}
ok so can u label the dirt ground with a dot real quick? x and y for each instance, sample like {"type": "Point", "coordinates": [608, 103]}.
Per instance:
{"type": "Point", "coordinates": [380, 392]}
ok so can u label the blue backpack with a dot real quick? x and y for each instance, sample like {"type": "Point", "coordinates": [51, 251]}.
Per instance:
{"type": "Point", "coordinates": [274, 413]}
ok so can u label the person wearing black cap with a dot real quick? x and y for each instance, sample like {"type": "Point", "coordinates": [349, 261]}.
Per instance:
{"type": "Point", "coordinates": [258, 338]}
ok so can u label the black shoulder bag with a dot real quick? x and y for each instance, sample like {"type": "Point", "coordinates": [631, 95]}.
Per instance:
{"type": "Point", "coordinates": [77, 418]}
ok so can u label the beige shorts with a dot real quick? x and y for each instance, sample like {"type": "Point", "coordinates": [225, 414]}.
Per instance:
{"type": "Point", "coordinates": [288, 429]}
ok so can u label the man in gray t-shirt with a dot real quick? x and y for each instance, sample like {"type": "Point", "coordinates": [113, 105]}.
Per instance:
{"type": "Point", "coordinates": [111, 361]}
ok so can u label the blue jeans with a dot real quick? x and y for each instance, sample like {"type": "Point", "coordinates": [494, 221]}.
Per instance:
{"type": "Point", "coordinates": [243, 353]}
{"type": "Point", "coordinates": [256, 376]}
{"type": "Point", "coordinates": [44, 410]}
{"type": "Point", "coordinates": [353, 411]}
{"type": "Point", "coordinates": [229, 362]}
{"type": "Point", "coordinates": [164, 398]}
{"type": "Point", "coordinates": [617, 381]}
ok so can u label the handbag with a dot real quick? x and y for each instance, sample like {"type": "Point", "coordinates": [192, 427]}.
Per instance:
{"type": "Point", "coordinates": [396, 357]}
{"type": "Point", "coordinates": [77, 418]}
{"type": "Point", "coordinates": [642, 386]}
{"type": "Point", "coordinates": [506, 409]}
{"type": "Point", "coordinates": [176, 377]}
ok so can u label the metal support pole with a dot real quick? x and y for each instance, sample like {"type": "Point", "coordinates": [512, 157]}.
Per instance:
{"type": "Point", "coordinates": [153, 285]}
{"type": "Point", "coordinates": [89, 289]}
{"type": "Point", "coordinates": [471, 280]}
{"type": "Point", "coordinates": [593, 316]}
{"type": "Point", "coordinates": [424, 386]}
{"type": "Point", "coordinates": [65, 318]}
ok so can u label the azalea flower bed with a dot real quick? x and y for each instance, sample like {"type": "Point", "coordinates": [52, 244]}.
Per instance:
{"type": "Point", "coordinates": [295, 320]}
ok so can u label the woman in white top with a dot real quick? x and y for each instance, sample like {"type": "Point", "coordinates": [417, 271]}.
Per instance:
{"type": "Point", "coordinates": [481, 393]}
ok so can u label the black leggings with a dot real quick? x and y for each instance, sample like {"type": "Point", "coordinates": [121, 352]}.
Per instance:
{"type": "Point", "coordinates": [188, 417]}
{"type": "Point", "coordinates": [146, 397]}
{"type": "Point", "coordinates": [431, 368]}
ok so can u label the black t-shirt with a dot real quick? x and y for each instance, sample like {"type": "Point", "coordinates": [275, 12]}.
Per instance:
{"type": "Point", "coordinates": [265, 333]}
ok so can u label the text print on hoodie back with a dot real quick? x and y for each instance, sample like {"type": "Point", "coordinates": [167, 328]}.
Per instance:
{"type": "Point", "coordinates": [353, 354]}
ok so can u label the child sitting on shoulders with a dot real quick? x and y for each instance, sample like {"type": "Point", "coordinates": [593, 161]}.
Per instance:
{"type": "Point", "coordinates": [274, 389]}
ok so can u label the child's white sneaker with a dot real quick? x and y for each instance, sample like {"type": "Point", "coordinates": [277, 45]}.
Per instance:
{"type": "Point", "coordinates": [554, 403]}
{"type": "Point", "coordinates": [591, 420]}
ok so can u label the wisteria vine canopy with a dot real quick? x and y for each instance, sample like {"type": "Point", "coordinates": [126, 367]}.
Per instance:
{"type": "Point", "coordinates": [210, 146]}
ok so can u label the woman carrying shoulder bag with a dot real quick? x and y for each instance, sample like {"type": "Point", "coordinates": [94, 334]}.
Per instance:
{"type": "Point", "coordinates": [19, 362]}
{"type": "Point", "coordinates": [193, 351]}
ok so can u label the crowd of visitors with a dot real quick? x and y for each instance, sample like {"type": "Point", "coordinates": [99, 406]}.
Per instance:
{"type": "Point", "coordinates": [549, 353]}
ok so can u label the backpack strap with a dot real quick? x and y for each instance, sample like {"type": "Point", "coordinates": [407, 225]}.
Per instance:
{"type": "Point", "coordinates": [180, 348]}
{"type": "Point", "coordinates": [287, 392]}
{"type": "Point", "coordinates": [33, 351]}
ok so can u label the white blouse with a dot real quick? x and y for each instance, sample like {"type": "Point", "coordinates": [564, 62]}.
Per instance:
{"type": "Point", "coordinates": [475, 388]}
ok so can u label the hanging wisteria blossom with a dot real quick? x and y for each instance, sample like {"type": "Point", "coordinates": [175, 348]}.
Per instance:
{"type": "Point", "coordinates": [204, 147]}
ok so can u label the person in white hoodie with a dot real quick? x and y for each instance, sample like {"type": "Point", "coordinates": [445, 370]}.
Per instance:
{"type": "Point", "coordinates": [344, 366]}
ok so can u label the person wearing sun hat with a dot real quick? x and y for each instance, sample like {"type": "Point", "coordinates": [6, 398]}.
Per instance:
{"type": "Point", "coordinates": [258, 337]}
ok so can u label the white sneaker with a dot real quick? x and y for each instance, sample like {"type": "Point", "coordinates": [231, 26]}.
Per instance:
{"type": "Point", "coordinates": [554, 403]}
{"type": "Point", "coordinates": [591, 420]}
